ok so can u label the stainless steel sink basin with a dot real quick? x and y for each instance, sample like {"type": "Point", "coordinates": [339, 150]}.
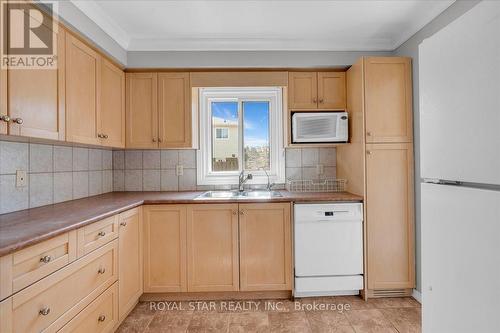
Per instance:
{"type": "Point", "coordinates": [236, 195]}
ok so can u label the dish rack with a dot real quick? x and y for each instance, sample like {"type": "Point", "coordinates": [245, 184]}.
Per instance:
{"type": "Point", "coordinates": [321, 185]}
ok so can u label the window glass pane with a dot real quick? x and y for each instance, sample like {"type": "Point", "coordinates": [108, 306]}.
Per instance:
{"type": "Point", "coordinates": [256, 135]}
{"type": "Point", "coordinates": [225, 136]}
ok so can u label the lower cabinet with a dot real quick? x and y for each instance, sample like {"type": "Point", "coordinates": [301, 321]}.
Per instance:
{"type": "Point", "coordinates": [165, 248]}
{"type": "Point", "coordinates": [212, 247]}
{"type": "Point", "coordinates": [265, 247]}
{"type": "Point", "coordinates": [129, 260]}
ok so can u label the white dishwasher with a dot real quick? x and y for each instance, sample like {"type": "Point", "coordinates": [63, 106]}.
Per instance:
{"type": "Point", "coordinates": [328, 249]}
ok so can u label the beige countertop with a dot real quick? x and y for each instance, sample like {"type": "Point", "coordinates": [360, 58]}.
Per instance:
{"type": "Point", "coordinates": [27, 227]}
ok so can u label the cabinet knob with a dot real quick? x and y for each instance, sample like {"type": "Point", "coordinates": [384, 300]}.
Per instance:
{"type": "Point", "coordinates": [368, 152]}
{"type": "Point", "coordinates": [18, 121]}
{"type": "Point", "coordinates": [105, 136]}
{"type": "Point", "coordinates": [101, 270]}
{"type": "Point", "coordinates": [5, 118]}
{"type": "Point", "coordinates": [369, 133]}
{"type": "Point", "coordinates": [159, 140]}
{"type": "Point", "coordinates": [45, 259]}
{"type": "Point", "coordinates": [314, 100]}
{"type": "Point", "coordinates": [101, 318]}
{"type": "Point", "coordinates": [45, 311]}
{"type": "Point", "coordinates": [101, 234]}
{"type": "Point", "coordinates": [123, 224]}
{"type": "Point", "coordinates": [235, 212]}
{"type": "Point", "coordinates": [99, 135]}
{"type": "Point", "coordinates": [242, 212]}
{"type": "Point", "coordinates": [321, 100]}
{"type": "Point", "coordinates": [154, 140]}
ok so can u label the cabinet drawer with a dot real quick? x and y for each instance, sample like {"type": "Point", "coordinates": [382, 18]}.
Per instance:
{"type": "Point", "coordinates": [25, 267]}
{"type": "Point", "coordinates": [53, 301]}
{"type": "Point", "coordinates": [97, 234]}
{"type": "Point", "coordinates": [100, 316]}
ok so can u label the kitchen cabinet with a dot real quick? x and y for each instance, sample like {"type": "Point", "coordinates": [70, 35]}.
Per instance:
{"type": "Point", "coordinates": [212, 247]}
{"type": "Point", "coordinates": [388, 99]}
{"type": "Point", "coordinates": [378, 162]}
{"type": "Point", "coordinates": [129, 260]}
{"type": "Point", "coordinates": [3, 100]}
{"type": "Point", "coordinates": [111, 113]}
{"type": "Point", "coordinates": [141, 110]}
{"type": "Point", "coordinates": [158, 110]}
{"type": "Point", "coordinates": [35, 98]}
{"type": "Point", "coordinates": [165, 248]}
{"type": "Point", "coordinates": [389, 212]}
{"type": "Point", "coordinates": [303, 90]}
{"type": "Point", "coordinates": [317, 90]}
{"type": "Point", "coordinates": [174, 110]}
{"type": "Point", "coordinates": [265, 246]}
{"type": "Point", "coordinates": [82, 91]}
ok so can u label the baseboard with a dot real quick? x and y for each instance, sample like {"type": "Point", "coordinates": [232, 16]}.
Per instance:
{"type": "Point", "coordinates": [225, 295]}
{"type": "Point", "coordinates": [417, 295]}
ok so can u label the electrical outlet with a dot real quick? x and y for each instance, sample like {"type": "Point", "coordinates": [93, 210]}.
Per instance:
{"type": "Point", "coordinates": [319, 169]}
{"type": "Point", "coordinates": [179, 170]}
{"type": "Point", "coordinates": [21, 178]}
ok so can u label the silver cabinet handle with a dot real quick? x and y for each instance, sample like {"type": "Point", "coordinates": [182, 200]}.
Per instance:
{"type": "Point", "coordinates": [101, 318]}
{"type": "Point", "coordinates": [45, 259]}
{"type": "Point", "coordinates": [18, 121]}
{"type": "Point", "coordinates": [99, 135]}
{"type": "Point", "coordinates": [101, 270]}
{"type": "Point", "coordinates": [45, 311]}
{"type": "Point", "coordinates": [368, 152]}
{"type": "Point", "coordinates": [124, 224]}
{"type": "Point", "coordinates": [5, 118]}
{"type": "Point", "coordinates": [101, 234]}
{"type": "Point", "coordinates": [105, 136]}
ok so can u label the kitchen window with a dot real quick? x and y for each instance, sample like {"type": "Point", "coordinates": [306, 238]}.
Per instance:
{"type": "Point", "coordinates": [240, 130]}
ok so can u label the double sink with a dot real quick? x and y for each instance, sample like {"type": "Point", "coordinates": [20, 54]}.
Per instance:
{"type": "Point", "coordinates": [238, 195]}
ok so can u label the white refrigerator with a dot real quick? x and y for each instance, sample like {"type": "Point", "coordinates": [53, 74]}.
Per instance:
{"type": "Point", "coordinates": [459, 88]}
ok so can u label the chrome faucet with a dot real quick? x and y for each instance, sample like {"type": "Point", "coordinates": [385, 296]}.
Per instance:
{"type": "Point", "coordinates": [269, 184]}
{"type": "Point", "coordinates": [242, 180]}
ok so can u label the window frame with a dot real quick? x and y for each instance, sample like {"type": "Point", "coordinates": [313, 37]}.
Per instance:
{"type": "Point", "coordinates": [273, 95]}
{"type": "Point", "coordinates": [222, 130]}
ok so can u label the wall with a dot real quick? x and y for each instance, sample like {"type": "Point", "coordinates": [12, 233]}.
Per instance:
{"type": "Point", "coordinates": [245, 59]}
{"type": "Point", "coordinates": [410, 49]}
{"type": "Point", "coordinates": [154, 170]}
{"type": "Point", "coordinates": [55, 174]}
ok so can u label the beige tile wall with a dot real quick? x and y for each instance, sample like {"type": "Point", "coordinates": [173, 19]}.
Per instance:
{"type": "Point", "coordinates": [54, 174]}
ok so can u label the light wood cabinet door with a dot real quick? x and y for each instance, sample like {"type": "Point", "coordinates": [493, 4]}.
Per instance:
{"type": "Point", "coordinates": [36, 96]}
{"type": "Point", "coordinates": [3, 99]}
{"type": "Point", "coordinates": [303, 90]}
{"type": "Point", "coordinates": [174, 110]}
{"type": "Point", "coordinates": [389, 216]}
{"type": "Point", "coordinates": [111, 115]}
{"type": "Point", "coordinates": [331, 90]}
{"type": "Point", "coordinates": [212, 247]}
{"type": "Point", "coordinates": [388, 99]}
{"type": "Point", "coordinates": [82, 91]}
{"type": "Point", "coordinates": [129, 260]}
{"type": "Point", "coordinates": [141, 110]}
{"type": "Point", "coordinates": [165, 248]}
{"type": "Point", "coordinates": [265, 247]}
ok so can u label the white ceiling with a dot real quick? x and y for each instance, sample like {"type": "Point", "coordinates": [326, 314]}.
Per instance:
{"type": "Point", "coordinates": [329, 25]}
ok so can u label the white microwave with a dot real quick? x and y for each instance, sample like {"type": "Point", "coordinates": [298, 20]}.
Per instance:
{"type": "Point", "coordinates": [319, 127]}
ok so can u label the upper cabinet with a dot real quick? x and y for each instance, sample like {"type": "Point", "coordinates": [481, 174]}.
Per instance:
{"type": "Point", "coordinates": [82, 91]}
{"type": "Point", "coordinates": [158, 110]}
{"type": "Point", "coordinates": [142, 110]}
{"type": "Point", "coordinates": [174, 110]}
{"type": "Point", "coordinates": [388, 99]}
{"type": "Point", "coordinates": [111, 115]}
{"type": "Point", "coordinates": [317, 90]}
{"type": "Point", "coordinates": [34, 100]}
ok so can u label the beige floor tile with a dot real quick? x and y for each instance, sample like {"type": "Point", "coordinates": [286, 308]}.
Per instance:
{"type": "Point", "coordinates": [370, 321]}
{"type": "Point", "coordinates": [249, 322]}
{"type": "Point", "coordinates": [394, 302]}
{"type": "Point", "coordinates": [138, 319]}
{"type": "Point", "coordinates": [171, 322]}
{"type": "Point", "coordinates": [288, 322]}
{"type": "Point", "coordinates": [209, 322]}
{"type": "Point", "coordinates": [328, 321]}
{"type": "Point", "coordinates": [406, 320]}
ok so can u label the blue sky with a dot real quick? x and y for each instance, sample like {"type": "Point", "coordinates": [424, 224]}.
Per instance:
{"type": "Point", "coordinates": [256, 120]}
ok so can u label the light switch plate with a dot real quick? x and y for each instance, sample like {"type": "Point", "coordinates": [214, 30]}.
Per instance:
{"type": "Point", "coordinates": [21, 178]}
{"type": "Point", "coordinates": [179, 170]}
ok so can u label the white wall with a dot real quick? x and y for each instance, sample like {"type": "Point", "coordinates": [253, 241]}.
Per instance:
{"type": "Point", "coordinates": [410, 49]}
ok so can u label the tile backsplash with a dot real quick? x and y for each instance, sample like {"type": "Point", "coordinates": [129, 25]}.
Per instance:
{"type": "Point", "coordinates": [54, 174]}
{"type": "Point", "coordinates": [154, 170]}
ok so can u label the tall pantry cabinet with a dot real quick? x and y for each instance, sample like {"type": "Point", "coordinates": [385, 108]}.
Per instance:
{"type": "Point", "coordinates": [379, 165]}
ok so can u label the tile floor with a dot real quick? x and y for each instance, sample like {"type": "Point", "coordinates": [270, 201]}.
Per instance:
{"type": "Point", "coordinates": [391, 315]}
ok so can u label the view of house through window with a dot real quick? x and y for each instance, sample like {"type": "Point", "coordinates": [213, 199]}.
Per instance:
{"type": "Point", "coordinates": [240, 135]}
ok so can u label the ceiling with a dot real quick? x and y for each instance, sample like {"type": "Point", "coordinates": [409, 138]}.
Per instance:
{"type": "Point", "coordinates": [329, 25]}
